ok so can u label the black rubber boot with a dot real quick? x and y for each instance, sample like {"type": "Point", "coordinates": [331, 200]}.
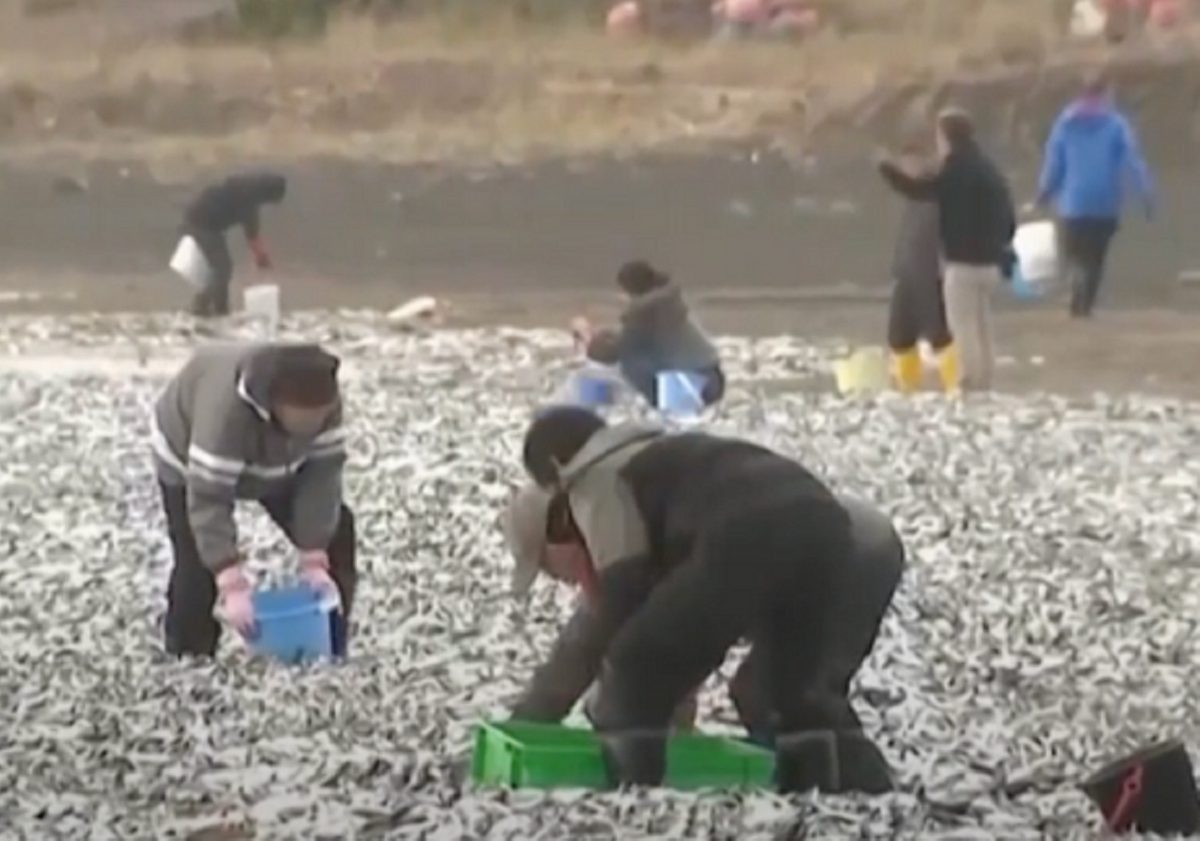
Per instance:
{"type": "Point", "coordinates": [834, 763]}
{"type": "Point", "coordinates": [635, 759]}
{"type": "Point", "coordinates": [863, 767]}
{"type": "Point", "coordinates": [804, 761]}
{"type": "Point", "coordinates": [1151, 791]}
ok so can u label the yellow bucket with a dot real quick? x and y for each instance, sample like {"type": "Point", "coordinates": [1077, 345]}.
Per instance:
{"type": "Point", "coordinates": [864, 370]}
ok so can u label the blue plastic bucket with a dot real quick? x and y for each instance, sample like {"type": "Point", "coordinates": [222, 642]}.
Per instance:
{"type": "Point", "coordinates": [592, 390]}
{"type": "Point", "coordinates": [681, 393]}
{"type": "Point", "coordinates": [294, 624]}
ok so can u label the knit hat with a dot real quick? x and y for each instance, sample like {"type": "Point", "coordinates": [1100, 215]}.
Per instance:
{"type": "Point", "coordinates": [637, 278]}
{"type": "Point", "coordinates": [525, 534]}
{"type": "Point", "coordinates": [304, 375]}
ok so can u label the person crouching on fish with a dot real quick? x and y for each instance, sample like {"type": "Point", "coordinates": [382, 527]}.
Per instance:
{"type": "Point", "coordinates": [258, 422]}
{"type": "Point", "coordinates": [232, 202]}
{"type": "Point", "coordinates": [657, 334]}
{"type": "Point", "coordinates": [683, 544]}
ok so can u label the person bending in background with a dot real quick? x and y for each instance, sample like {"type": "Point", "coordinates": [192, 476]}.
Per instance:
{"type": "Point", "coordinates": [976, 223]}
{"type": "Point", "coordinates": [234, 201]}
{"type": "Point", "coordinates": [1091, 151]}
{"type": "Point", "coordinates": [250, 422]}
{"type": "Point", "coordinates": [684, 544]}
{"type": "Point", "coordinates": [918, 308]}
{"type": "Point", "coordinates": [657, 334]}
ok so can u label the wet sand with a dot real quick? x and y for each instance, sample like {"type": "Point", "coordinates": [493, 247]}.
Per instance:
{"type": "Point", "coordinates": [727, 221]}
{"type": "Point", "coordinates": [763, 244]}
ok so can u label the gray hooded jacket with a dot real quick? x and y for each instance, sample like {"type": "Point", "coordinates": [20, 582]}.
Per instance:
{"type": "Point", "coordinates": [658, 328]}
{"type": "Point", "coordinates": [213, 434]}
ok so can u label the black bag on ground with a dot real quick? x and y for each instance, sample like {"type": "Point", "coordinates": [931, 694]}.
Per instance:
{"type": "Point", "coordinates": [1152, 790]}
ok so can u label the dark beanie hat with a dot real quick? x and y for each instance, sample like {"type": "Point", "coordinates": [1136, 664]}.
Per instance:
{"type": "Point", "coordinates": [639, 278]}
{"type": "Point", "coordinates": [304, 375]}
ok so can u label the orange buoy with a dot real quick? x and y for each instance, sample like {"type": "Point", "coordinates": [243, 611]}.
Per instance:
{"type": "Point", "coordinates": [746, 11]}
{"type": "Point", "coordinates": [1165, 14]}
{"type": "Point", "coordinates": [624, 18]}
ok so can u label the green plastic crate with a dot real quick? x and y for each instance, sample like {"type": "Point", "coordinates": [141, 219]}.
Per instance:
{"type": "Point", "coordinates": [527, 755]}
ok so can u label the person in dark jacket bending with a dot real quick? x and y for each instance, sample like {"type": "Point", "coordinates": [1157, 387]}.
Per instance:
{"type": "Point", "coordinates": [250, 422]}
{"type": "Point", "coordinates": [683, 545]}
{"type": "Point", "coordinates": [918, 307]}
{"type": "Point", "coordinates": [657, 334]}
{"type": "Point", "coordinates": [235, 201]}
{"type": "Point", "coordinates": [976, 225]}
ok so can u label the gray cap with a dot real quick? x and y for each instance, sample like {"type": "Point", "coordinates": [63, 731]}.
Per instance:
{"type": "Point", "coordinates": [525, 534]}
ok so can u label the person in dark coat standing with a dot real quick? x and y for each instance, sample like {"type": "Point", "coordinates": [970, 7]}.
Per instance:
{"type": "Point", "coordinates": [918, 308]}
{"type": "Point", "coordinates": [1091, 152]}
{"type": "Point", "coordinates": [258, 422]}
{"type": "Point", "coordinates": [976, 222]}
{"type": "Point", "coordinates": [685, 544]}
{"type": "Point", "coordinates": [233, 202]}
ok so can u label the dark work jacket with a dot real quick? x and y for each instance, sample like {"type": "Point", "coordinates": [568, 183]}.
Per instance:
{"type": "Point", "coordinates": [679, 485]}
{"type": "Point", "coordinates": [235, 201]}
{"type": "Point", "coordinates": [974, 202]}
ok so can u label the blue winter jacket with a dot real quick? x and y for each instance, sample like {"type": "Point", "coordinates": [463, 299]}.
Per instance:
{"type": "Point", "coordinates": [1091, 150]}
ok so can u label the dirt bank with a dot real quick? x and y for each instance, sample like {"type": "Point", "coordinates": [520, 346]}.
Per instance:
{"type": "Point", "coordinates": [404, 94]}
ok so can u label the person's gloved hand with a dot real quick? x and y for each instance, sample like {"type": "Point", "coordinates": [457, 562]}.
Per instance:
{"type": "Point", "coordinates": [314, 570]}
{"type": "Point", "coordinates": [262, 257]}
{"type": "Point", "coordinates": [236, 599]}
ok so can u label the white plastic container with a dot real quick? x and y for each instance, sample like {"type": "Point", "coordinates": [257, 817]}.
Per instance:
{"type": "Point", "coordinates": [1036, 244]}
{"type": "Point", "coordinates": [188, 262]}
{"type": "Point", "coordinates": [864, 370]}
{"type": "Point", "coordinates": [262, 301]}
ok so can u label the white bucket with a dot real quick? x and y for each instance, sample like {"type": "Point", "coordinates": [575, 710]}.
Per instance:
{"type": "Point", "coordinates": [262, 301]}
{"type": "Point", "coordinates": [1036, 244]}
{"type": "Point", "coordinates": [188, 262]}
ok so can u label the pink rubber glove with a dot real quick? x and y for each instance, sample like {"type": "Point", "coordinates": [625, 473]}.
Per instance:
{"type": "Point", "coordinates": [314, 570]}
{"type": "Point", "coordinates": [237, 600]}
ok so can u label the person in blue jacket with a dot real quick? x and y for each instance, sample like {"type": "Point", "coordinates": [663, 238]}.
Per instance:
{"type": "Point", "coordinates": [1091, 151]}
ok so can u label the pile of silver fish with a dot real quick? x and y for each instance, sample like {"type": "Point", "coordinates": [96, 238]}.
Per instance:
{"type": "Point", "coordinates": [1047, 623]}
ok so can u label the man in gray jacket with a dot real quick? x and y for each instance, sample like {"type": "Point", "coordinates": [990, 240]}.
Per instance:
{"type": "Point", "coordinates": [250, 422]}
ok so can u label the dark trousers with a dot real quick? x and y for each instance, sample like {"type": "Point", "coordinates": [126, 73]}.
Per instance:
{"type": "Point", "coordinates": [192, 591]}
{"type": "Point", "coordinates": [863, 588]}
{"type": "Point", "coordinates": [213, 299]}
{"type": "Point", "coordinates": [1085, 243]}
{"type": "Point", "coordinates": [917, 311]}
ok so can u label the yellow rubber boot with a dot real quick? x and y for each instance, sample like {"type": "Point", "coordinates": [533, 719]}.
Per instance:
{"type": "Point", "coordinates": [948, 372]}
{"type": "Point", "coordinates": [907, 368]}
